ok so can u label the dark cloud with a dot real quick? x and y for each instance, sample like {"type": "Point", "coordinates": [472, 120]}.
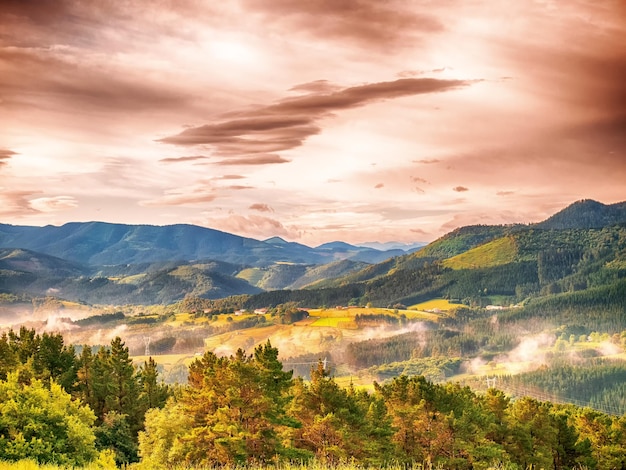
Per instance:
{"type": "Point", "coordinates": [5, 156]}
{"type": "Point", "coordinates": [376, 25]}
{"type": "Point", "coordinates": [505, 193]}
{"type": "Point", "coordinates": [239, 187]}
{"type": "Point", "coordinates": [288, 123]}
{"type": "Point", "coordinates": [417, 179]}
{"type": "Point", "coordinates": [460, 189]}
{"type": "Point", "coordinates": [261, 207]}
{"type": "Point", "coordinates": [318, 86]}
{"type": "Point", "coordinates": [379, 185]}
{"type": "Point", "coordinates": [183, 159]}
{"type": "Point", "coordinates": [419, 231]}
{"type": "Point", "coordinates": [50, 78]}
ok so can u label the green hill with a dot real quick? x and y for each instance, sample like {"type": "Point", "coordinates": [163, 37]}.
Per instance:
{"type": "Point", "coordinates": [496, 252]}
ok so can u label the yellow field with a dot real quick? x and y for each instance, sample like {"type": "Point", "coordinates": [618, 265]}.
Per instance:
{"type": "Point", "coordinates": [335, 322]}
{"type": "Point", "coordinates": [342, 317]}
{"type": "Point", "coordinates": [440, 304]}
{"type": "Point", "coordinates": [166, 360]}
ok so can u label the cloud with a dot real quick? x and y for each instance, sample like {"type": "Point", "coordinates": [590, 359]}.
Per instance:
{"type": "Point", "coordinates": [5, 156]}
{"type": "Point", "coordinates": [252, 225]}
{"type": "Point", "coordinates": [231, 177]}
{"type": "Point", "coordinates": [53, 204]}
{"type": "Point", "coordinates": [266, 159]}
{"type": "Point", "coordinates": [460, 189]}
{"type": "Point", "coordinates": [197, 194]}
{"type": "Point", "coordinates": [419, 231]}
{"type": "Point", "coordinates": [261, 207]}
{"type": "Point", "coordinates": [378, 26]}
{"type": "Point", "coordinates": [15, 203]}
{"type": "Point", "coordinates": [427, 161]}
{"type": "Point", "coordinates": [317, 86]}
{"type": "Point", "coordinates": [183, 159]}
{"type": "Point", "coordinates": [289, 122]}
{"type": "Point", "coordinates": [505, 193]}
{"type": "Point", "coordinates": [379, 185]}
{"type": "Point", "coordinates": [52, 77]}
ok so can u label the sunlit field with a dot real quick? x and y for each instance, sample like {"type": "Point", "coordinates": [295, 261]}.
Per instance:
{"type": "Point", "coordinates": [349, 313]}
{"type": "Point", "coordinates": [435, 304]}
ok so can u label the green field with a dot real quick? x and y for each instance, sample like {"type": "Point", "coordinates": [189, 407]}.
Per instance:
{"type": "Point", "coordinates": [494, 253]}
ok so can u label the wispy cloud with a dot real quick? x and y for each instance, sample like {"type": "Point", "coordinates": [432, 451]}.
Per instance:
{"type": "Point", "coordinates": [53, 204]}
{"type": "Point", "coordinates": [5, 156]}
{"type": "Point", "coordinates": [183, 159]}
{"type": "Point", "coordinates": [379, 26]}
{"type": "Point", "coordinates": [288, 123]}
{"type": "Point", "coordinates": [16, 203]}
{"type": "Point", "coordinates": [261, 207]}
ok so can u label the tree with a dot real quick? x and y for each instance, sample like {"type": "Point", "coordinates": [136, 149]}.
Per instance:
{"type": "Point", "coordinates": [161, 444]}
{"type": "Point", "coordinates": [152, 393]}
{"type": "Point", "coordinates": [44, 424]}
{"type": "Point", "coordinates": [238, 407]}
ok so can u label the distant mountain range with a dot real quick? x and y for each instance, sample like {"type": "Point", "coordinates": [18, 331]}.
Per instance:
{"type": "Point", "coordinates": [101, 244]}
{"type": "Point", "coordinates": [99, 262]}
{"type": "Point", "coordinates": [102, 263]}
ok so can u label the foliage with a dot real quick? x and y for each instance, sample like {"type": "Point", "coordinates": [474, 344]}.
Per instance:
{"type": "Point", "coordinates": [44, 424]}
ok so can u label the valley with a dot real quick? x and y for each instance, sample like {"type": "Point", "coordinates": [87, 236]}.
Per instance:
{"type": "Point", "coordinates": [534, 311]}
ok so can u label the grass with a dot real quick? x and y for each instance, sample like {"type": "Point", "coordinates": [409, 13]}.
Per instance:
{"type": "Point", "coordinates": [343, 317]}
{"type": "Point", "coordinates": [252, 275]}
{"type": "Point", "coordinates": [166, 360]}
{"type": "Point", "coordinates": [314, 465]}
{"type": "Point", "coordinates": [440, 304]}
{"type": "Point", "coordinates": [134, 279]}
{"type": "Point", "coordinates": [335, 322]}
{"type": "Point", "coordinates": [494, 253]}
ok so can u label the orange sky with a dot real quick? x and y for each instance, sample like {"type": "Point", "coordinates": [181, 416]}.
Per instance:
{"type": "Point", "coordinates": [315, 121]}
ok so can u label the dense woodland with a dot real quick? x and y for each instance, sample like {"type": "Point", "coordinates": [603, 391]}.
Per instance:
{"type": "Point", "coordinates": [248, 409]}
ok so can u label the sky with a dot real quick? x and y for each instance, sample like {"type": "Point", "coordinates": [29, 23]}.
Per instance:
{"type": "Point", "coordinates": [315, 121]}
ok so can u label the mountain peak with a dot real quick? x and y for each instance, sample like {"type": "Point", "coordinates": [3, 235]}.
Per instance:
{"type": "Point", "coordinates": [276, 241]}
{"type": "Point", "coordinates": [585, 214]}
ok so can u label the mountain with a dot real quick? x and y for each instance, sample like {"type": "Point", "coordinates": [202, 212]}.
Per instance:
{"type": "Point", "coordinates": [24, 272]}
{"type": "Point", "coordinates": [504, 264]}
{"type": "Point", "coordinates": [20, 260]}
{"type": "Point", "coordinates": [102, 244]}
{"type": "Point", "coordinates": [341, 250]}
{"type": "Point", "coordinates": [406, 247]}
{"type": "Point", "coordinates": [586, 214]}
{"type": "Point", "coordinates": [289, 276]}
{"type": "Point", "coordinates": [111, 263]}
